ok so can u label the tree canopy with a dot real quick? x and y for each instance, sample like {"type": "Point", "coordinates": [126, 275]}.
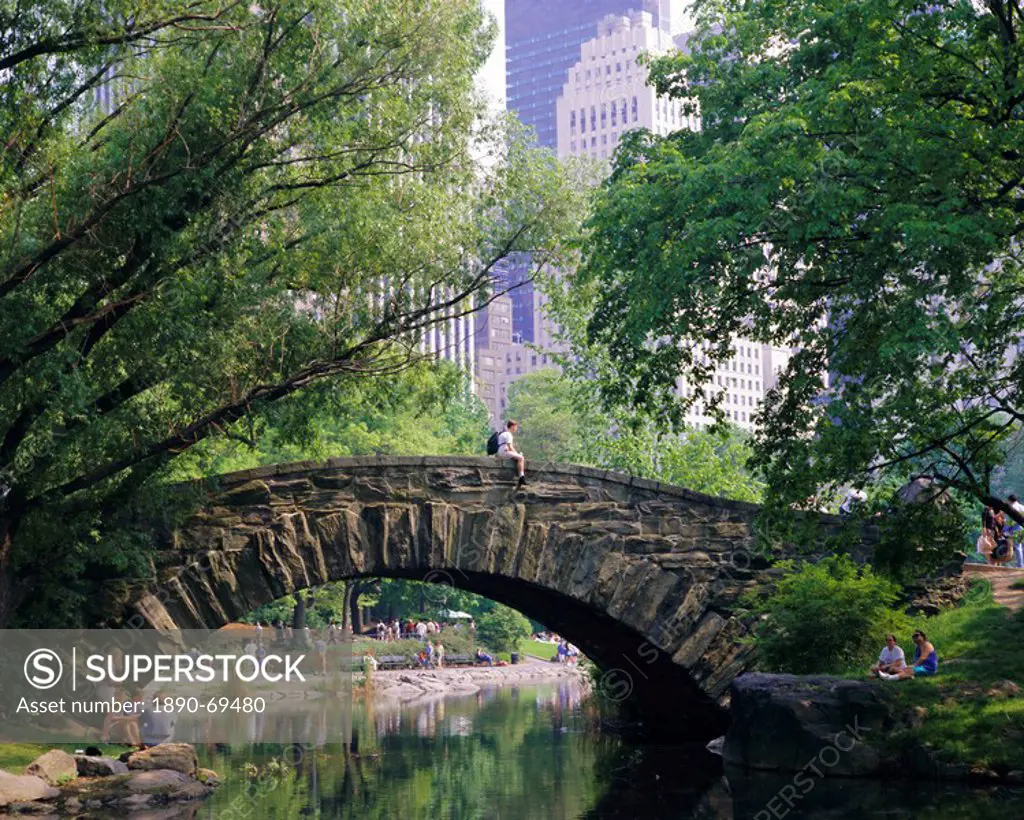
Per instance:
{"type": "Point", "coordinates": [206, 210]}
{"type": "Point", "coordinates": [562, 421]}
{"type": "Point", "coordinates": [856, 192]}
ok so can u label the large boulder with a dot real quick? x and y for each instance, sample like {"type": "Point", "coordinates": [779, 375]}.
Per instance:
{"type": "Point", "coordinates": [24, 789]}
{"type": "Point", "coordinates": [179, 757]}
{"type": "Point", "coordinates": [166, 783]}
{"type": "Point", "coordinates": [809, 723]}
{"type": "Point", "coordinates": [55, 767]}
{"type": "Point", "coordinates": [89, 766]}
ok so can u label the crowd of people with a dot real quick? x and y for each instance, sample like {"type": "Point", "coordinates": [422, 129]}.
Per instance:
{"type": "Point", "coordinates": [1001, 540]}
{"type": "Point", "coordinates": [394, 630]}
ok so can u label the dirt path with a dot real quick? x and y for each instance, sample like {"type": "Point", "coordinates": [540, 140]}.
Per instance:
{"type": "Point", "coordinates": [1001, 579]}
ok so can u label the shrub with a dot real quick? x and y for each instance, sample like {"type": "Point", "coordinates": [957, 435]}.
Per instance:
{"type": "Point", "coordinates": [502, 628]}
{"type": "Point", "coordinates": [825, 617]}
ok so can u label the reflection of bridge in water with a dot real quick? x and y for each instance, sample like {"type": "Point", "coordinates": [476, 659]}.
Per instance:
{"type": "Point", "coordinates": [643, 577]}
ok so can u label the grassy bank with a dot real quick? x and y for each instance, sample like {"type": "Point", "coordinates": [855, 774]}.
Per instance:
{"type": "Point", "coordinates": [14, 757]}
{"type": "Point", "coordinates": [970, 715]}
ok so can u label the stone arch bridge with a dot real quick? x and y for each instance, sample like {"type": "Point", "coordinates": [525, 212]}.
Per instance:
{"type": "Point", "coordinates": [642, 576]}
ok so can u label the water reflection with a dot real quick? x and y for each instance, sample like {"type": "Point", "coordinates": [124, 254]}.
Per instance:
{"type": "Point", "coordinates": [533, 753]}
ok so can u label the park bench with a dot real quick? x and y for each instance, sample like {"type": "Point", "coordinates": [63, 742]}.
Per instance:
{"type": "Point", "coordinates": [394, 661]}
{"type": "Point", "coordinates": [459, 660]}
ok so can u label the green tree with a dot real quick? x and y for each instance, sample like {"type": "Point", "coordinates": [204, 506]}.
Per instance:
{"type": "Point", "coordinates": [554, 423]}
{"type": "Point", "coordinates": [282, 195]}
{"type": "Point", "coordinates": [502, 628]}
{"type": "Point", "coordinates": [856, 192]}
{"type": "Point", "coordinates": [824, 617]}
{"type": "Point", "coordinates": [561, 422]}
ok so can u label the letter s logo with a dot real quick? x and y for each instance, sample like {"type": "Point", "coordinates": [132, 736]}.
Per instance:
{"type": "Point", "coordinates": [43, 668]}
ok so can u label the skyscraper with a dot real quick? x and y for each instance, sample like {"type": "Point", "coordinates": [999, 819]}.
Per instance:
{"type": "Point", "coordinates": [542, 41]}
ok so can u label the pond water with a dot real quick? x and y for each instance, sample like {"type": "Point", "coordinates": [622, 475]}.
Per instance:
{"type": "Point", "coordinates": [533, 753]}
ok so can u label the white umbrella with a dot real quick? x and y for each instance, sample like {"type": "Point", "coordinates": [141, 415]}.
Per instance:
{"type": "Point", "coordinates": [455, 615]}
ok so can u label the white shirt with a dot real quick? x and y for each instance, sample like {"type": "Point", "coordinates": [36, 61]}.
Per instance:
{"type": "Point", "coordinates": [504, 442]}
{"type": "Point", "coordinates": [890, 656]}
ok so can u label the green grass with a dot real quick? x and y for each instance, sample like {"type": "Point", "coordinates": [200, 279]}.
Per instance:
{"type": "Point", "coordinates": [979, 644]}
{"type": "Point", "coordinates": [14, 757]}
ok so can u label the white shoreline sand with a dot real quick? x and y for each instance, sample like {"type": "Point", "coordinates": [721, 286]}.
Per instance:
{"type": "Point", "coordinates": [406, 685]}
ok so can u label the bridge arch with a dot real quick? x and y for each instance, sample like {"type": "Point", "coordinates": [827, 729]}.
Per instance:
{"type": "Point", "coordinates": [642, 576]}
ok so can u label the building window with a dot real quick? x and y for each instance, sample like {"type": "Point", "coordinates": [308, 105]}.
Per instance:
{"type": "Point", "coordinates": [572, 119]}
{"type": "Point", "coordinates": [572, 147]}
{"type": "Point", "coordinates": [604, 115]}
{"type": "Point", "coordinates": [604, 139]}
{"type": "Point", "coordinates": [593, 142]}
{"type": "Point", "coordinates": [533, 360]}
{"type": "Point", "coordinates": [608, 69]}
{"type": "Point", "coordinates": [618, 68]}
{"type": "Point", "coordinates": [624, 118]}
{"type": "Point", "coordinates": [588, 73]}
{"type": "Point", "coordinates": [583, 121]}
{"type": "Point", "coordinates": [635, 109]}
{"type": "Point", "coordinates": [615, 113]}
{"type": "Point", "coordinates": [593, 118]}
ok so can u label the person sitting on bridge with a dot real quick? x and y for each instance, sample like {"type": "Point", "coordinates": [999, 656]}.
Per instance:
{"type": "Point", "coordinates": [507, 449]}
{"type": "Point", "coordinates": [483, 657]}
{"type": "Point", "coordinates": [926, 661]}
{"type": "Point", "coordinates": [891, 659]}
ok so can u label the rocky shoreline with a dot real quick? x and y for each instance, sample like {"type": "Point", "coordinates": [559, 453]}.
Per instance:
{"type": "Point", "coordinates": [57, 783]}
{"type": "Point", "coordinates": [411, 685]}
{"type": "Point", "coordinates": [834, 727]}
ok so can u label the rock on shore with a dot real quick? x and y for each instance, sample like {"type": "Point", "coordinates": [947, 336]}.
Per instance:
{"type": "Point", "coordinates": [57, 783]}
{"type": "Point", "coordinates": [413, 684]}
{"type": "Point", "coordinates": [823, 726]}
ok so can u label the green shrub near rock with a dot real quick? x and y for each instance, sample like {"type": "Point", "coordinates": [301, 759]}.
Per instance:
{"type": "Point", "coordinates": [822, 617]}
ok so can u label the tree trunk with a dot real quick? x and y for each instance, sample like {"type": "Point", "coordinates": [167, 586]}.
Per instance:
{"type": "Point", "coordinates": [346, 601]}
{"type": "Point", "coordinates": [357, 613]}
{"type": "Point", "coordinates": [11, 593]}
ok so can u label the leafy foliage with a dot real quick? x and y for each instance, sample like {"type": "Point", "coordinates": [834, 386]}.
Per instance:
{"type": "Point", "coordinates": [278, 201]}
{"type": "Point", "coordinates": [560, 421]}
{"type": "Point", "coordinates": [824, 617]}
{"type": "Point", "coordinates": [502, 628]}
{"type": "Point", "coordinates": [856, 192]}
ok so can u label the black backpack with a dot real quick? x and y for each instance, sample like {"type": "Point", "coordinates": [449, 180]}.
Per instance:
{"type": "Point", "coordinates": [492, 444]}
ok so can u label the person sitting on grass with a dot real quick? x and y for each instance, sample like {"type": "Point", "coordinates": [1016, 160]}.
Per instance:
{"type": "Point", "coordinates": [926, 661]}
{"type": "Point", "coordinates": [483, 657]}
{"type": "Point", "coordinates": [891, 659]}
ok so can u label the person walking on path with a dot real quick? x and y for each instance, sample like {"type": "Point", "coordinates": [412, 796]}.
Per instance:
{"type": "Point", "coordinates": [507, 449]}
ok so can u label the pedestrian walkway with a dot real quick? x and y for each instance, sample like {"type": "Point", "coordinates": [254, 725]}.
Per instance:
{"type": "Point", "coordinates": [1002, 580]}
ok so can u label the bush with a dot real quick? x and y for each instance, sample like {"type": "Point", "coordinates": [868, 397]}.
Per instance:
{"type": "Point", "coordinates": [502, 628]}
{"type": "Point", "coordinates": [825, 617]}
